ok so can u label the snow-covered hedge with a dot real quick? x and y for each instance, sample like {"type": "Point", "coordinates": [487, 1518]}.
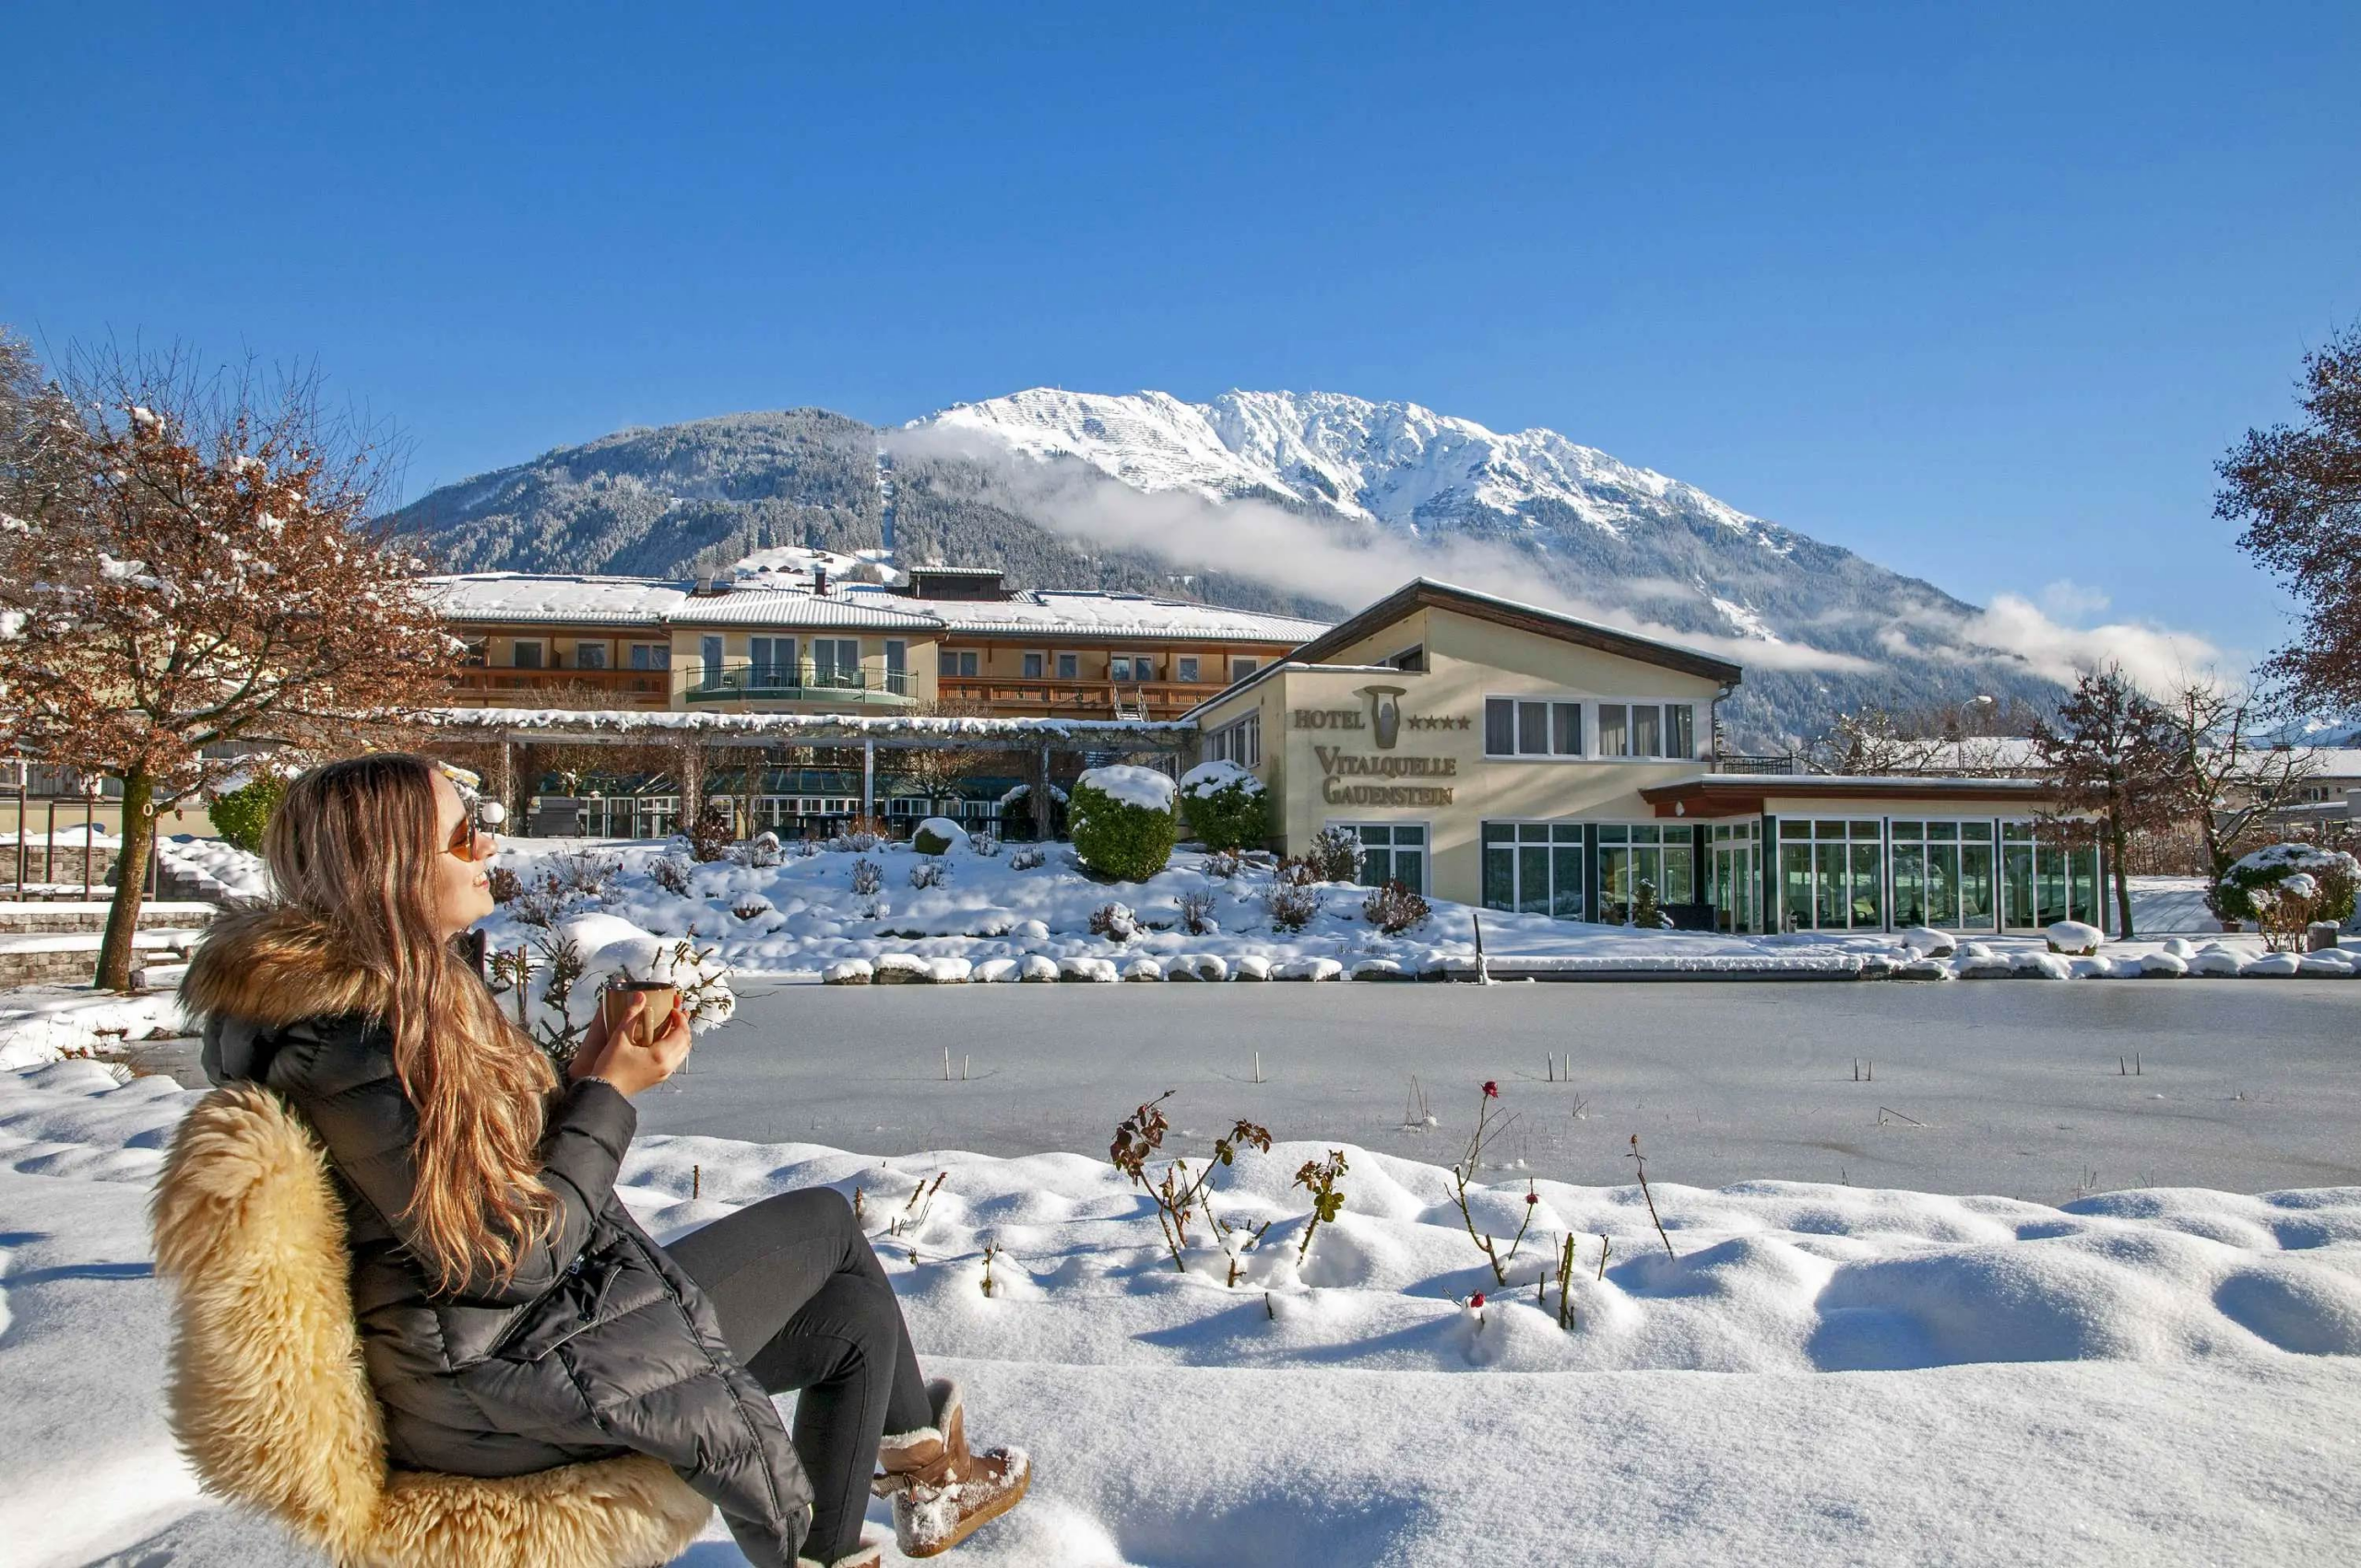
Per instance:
{"type": "Point", "coordinates": [2254, 886]}
{"type": "Point", "coordinates": [1122, 823]}
{"type": "Point", "coordinates": [1227, 807]}
{"type": "Point", "coordinates": [938, 836]}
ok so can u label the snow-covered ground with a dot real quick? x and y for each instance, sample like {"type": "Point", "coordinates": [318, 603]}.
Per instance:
{"type": "Point", "coordinates": [1805, 1373]}
{"type": "Point", "coordinates": [989, 915]}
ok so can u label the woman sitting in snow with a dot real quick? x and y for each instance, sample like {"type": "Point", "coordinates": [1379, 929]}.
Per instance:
{"type": "Point", "coordinates": [514, 1317]}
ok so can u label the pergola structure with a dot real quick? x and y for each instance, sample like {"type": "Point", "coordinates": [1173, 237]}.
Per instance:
{"type": "Point", "coordinates": [692, 733]}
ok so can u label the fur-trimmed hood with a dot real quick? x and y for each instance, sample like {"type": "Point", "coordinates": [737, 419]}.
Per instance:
{"type": "Point", "coordinates": [259, 970]}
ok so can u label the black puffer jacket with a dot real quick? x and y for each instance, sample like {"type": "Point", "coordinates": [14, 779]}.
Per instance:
{"type": "Point", "coordinates": [599, 1345]}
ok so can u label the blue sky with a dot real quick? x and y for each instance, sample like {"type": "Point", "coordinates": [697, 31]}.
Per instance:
{"type": "Point", "coordinates": [1980, 295]}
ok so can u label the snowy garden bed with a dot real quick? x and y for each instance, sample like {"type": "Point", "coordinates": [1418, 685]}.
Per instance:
{"type": "Point", "coordinates": [1024, 913]}
{"type": "Point", "coordinates": [1975, 1379]}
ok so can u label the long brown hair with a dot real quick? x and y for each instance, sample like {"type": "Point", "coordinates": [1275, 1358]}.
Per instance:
{"type": "Point", "coordinates": [354, 846]}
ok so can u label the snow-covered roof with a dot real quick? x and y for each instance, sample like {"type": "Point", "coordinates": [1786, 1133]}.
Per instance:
{"type": "Point", "coordinates": [783, 607]}
{"type": "Point", "coordinates": [781, 602]}
{"type": "Point", "coordinates": [1082, 613]}
{"type": "Point", "coordinates": [538, 596]}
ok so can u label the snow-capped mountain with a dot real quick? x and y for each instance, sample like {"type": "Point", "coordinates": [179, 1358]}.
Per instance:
{"type": "Point", "coordinates": [1397, 464]}
{"type": "Point", "coordinates": [1303, 503]}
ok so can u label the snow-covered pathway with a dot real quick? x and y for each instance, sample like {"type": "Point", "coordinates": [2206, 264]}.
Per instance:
{"type": "Point", "coordinates": [2172, 1399]}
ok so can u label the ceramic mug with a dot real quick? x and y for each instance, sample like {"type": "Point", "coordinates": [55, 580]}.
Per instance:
{"type": "Point", "coordinates": [660, 997]}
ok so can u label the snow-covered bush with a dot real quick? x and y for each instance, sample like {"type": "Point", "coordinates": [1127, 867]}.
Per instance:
{"type": "Point", "coordinates": [1226, 807]}
{"type": "Point", "coordinates": [1290, 905]}
{"type": "Point", "coordinates": [1029, 859]}
{"type": "Point", "coordinates": [862, 835]}
{"type": "Point", "coordinates": [1646, 912]}
{"type": "Point", "coordinates": [503, 884]}
{"type": "Point", "coordinates": [938, 836]}
{"type": "Point", "coordinates": [2283, 888]}
{"type": "Point", "coordinates": [984, 842]}
{"type": "Point", "coordinates": [1393, 908]}
{"type": "Point", "coordinates": [762, 851]}
{"type": "Point", "coordinates": [671, 873]}
{"type": "Point", "coordinates": [1196, 907]}
{"type": "Point", "coordinates": [1224, 866]}
{"type": "Point", "coordinates": [928, 874]}
{"type": "Point", "coordinates": [1335, 854]}
{"type": "Point", "coordinates": [566, 884]}
{"type": "Point", "coordinates": [241, 815]}
{"type": "Point", "coordinates": [1121, 822]}
{"type": "Point", "coordinates": [868, 877]}
{"type": "Point", "coordinates": [1114, 922]}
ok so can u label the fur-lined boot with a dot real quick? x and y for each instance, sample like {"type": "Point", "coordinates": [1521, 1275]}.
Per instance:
{"type": "Point", "coordinates": [943, 1490]}
{"type": "Point", "coordinates": [868, 1554]}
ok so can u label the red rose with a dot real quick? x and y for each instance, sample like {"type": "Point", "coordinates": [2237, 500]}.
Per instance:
{"type": "Point", "coordinates": [1477, 1300]}
{"type": "Point", "coordinates": [1491, 1089]}
{"type": "Point", "coordinates": [1532, 1197]}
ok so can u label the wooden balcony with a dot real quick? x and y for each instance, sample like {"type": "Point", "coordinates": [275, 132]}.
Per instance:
{"type": "Point", "coordinates": [501, 687]}
{"type": "Point", "coordinates": [1019, 697]}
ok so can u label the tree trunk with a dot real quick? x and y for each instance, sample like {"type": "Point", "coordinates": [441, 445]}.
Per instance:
{"type": "Point", "coordinates": [116, 951]}
{"type": "Point", "coordinates": [2117, 840]}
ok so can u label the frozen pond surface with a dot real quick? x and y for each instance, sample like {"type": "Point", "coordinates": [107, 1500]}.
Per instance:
{"type": "Point", "coordinates": [2246, 1085]}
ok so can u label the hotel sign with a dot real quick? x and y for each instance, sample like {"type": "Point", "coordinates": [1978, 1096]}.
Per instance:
{"type": "Point", "coordinates": [1342, 766]}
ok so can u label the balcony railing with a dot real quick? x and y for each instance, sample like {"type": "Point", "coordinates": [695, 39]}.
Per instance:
{"type": "Point", "coordinates": [781, 682]}
{"type": "Point", "coordinates": [1078, 700]}
{"type": "Point", "coordinates": [1726, 762]}
{"type": "Point", "coordinates": [501, 686]}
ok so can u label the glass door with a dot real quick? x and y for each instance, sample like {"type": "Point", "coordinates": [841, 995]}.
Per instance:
{"type": "Point", "coordinates": [1392, 851]}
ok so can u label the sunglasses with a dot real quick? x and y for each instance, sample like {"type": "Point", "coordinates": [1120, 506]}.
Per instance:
{"type": "Point", "coordinates": [472, 839]}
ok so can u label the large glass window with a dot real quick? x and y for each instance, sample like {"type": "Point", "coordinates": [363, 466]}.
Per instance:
{"type": "Point", "coordinates": [589, 655]}
{"type": "Point", "coordinates": [1631, 853]}
{"type": "Point", "coordinates": [709, 654]}
{"type": "Point", "coordinates": [1833, 875]}
{"type": "Point", "coordinates": [1533, 867]}
{"type": "Point", "coordinates": [2048, 873]}
{"type": "Point", "coordinates": [1392, 851]}
{"type": "Point", "coordinates": [1942, 873]}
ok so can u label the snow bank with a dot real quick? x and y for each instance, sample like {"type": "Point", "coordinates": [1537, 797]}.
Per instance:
{"type": "Point", "coordinates": [2025, 1380]}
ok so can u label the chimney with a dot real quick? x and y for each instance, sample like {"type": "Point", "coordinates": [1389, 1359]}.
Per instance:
{"type": "Point", "coordinates": [819, 578]}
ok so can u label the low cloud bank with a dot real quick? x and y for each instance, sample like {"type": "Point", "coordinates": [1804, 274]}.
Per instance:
{"type": "Point", "coordinates": [1352, 563]}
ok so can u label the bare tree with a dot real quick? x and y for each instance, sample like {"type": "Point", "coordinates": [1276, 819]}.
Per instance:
{"type": "Point", "coordinates": [2230, 781]}
{"type": "Point", "coordinates": [2111, 751]}
{"type": "Point", "coordinates": [2299, 494]}
{"type": "Point", "coordinates": [196, 569]}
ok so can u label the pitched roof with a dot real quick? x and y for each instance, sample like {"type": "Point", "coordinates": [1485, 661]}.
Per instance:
{"type": "Point", "coordinates": [1426, 593]}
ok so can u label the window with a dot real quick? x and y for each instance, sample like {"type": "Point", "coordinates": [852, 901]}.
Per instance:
{"type": "Point", "coordinates": [1184, 670]}
{"type": "Point", "coordinates": [836, 661]}
{"type": "Point", "coordinates": [589, 655]}
{"type": "Point", "coordinates": [1036, 665]}
{"type": "Point", "coordinates": [709, 654]}
{"type": "Point", "coordinates": [650, 656]}
{"type": "Point", "coordinates": [527, 655]}
{"type": "Point", "coordinates": [1647, 730]}
{"type": "Point", "coordinates": [1413, 658]}
{"type": "Point", "coordinates": [1119, 668]}
{"type": "Point", "coordinates": [773, 660]}
{"type": "Point", "coordinates": [1241, 668]}
{"type": "Point", "coordinates": [1069, 666]}
{"type": "Point", "coordinates": [957, 663]}
{"type": "Point", "coordinates": [1390, 851]}
{"type": "Point", "coordinates": [1528, 727]}
{"type": "Point", "coordinates": [1831, 875]}
{"type": "Point", "coordinates": [475, 651]}
{"type": "Point", "coordinates": [1240, 742]}
{"type": "Point", "coordinates": [1631, 853]}
{"type": "Point", "coordinates": [1534, 868]}
{"type": "Point", "coordinates": [897, 666]}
